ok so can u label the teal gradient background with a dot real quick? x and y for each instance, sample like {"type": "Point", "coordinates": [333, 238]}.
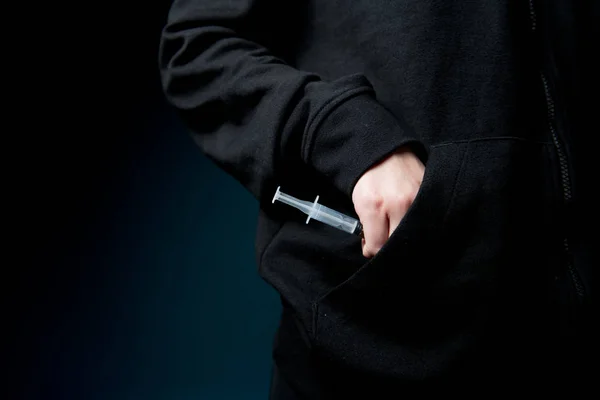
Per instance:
{"type": "Point", "coordinates": [143, 283]}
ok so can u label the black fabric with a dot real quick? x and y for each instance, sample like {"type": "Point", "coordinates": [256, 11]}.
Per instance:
{"type": "Point", "coordinates": [280, 389]}
{"type": "Point", "coordinates": [570, 33]}
{"type": "Point", "coordinates": [474, 284]}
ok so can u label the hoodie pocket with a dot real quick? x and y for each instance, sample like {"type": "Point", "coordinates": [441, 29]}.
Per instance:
{"type": "Point", "coordinates": [308, 263]}
{"type": "Point", "coordinates": [418, 229]}
{"type": "Point", "coordinates": [464, 260]}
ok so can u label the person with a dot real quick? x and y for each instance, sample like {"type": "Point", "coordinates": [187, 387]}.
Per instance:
{"type": "Point", "coordinates": [452, 130]}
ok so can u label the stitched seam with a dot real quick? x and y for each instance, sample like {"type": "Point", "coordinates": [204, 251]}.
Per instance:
{"type": "Point", "coordinates": [494, 138]}
{"type": "Point", "coordinates": [315, 320]}
{"type": "Point", "coordinates": [457, 178]}
{"type": "Point", "coordinates": [323, 112]}
{"type": "Point", "coordinates": [299, 323]}
{"type": "Point", "coordinates": [262, 254]}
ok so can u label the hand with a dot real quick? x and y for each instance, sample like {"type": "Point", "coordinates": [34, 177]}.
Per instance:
{"type": "Point", "coordinates": [383, 194]}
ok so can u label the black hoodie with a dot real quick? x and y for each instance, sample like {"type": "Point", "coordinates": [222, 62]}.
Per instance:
{"type": "Point", "coordinates": [480, 282]}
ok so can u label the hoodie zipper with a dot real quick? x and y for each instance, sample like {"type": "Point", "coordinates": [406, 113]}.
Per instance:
{"type": "Point", "coordinates": [565, 177]}
{"type": "Point", "coordinates": [565, 183]}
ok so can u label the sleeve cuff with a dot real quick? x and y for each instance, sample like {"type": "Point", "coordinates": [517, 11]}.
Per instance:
{"type": "Point", "coordinates": [354, 136]}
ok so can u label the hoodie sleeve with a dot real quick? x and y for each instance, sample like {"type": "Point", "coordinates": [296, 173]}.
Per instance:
{"type": "Point", "coordinates": [248, 110]}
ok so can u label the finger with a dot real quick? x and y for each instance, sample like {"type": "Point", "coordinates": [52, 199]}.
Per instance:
{"type": "Point", "coordinates": [375, 228]}
{"type": "Point", "coordinates": [398, 211]}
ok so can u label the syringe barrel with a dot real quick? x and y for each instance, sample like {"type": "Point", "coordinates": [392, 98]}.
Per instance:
{"type": "Point", "coordinates": [334, 218]}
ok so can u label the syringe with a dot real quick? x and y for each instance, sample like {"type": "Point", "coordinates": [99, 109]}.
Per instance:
{"type": "Point", "coordinates": [321, 213]}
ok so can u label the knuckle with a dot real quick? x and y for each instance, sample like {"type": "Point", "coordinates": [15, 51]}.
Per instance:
{"type": "Point", "coordinates": [404, 200]}
{"type": "Point", "coordinates": [369, 201]}
{"type": "Point", "coordinates": [376, 202]}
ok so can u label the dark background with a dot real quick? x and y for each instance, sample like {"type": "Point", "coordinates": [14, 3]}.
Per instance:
{"type": "Point", "coordinates": [137, 279]}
